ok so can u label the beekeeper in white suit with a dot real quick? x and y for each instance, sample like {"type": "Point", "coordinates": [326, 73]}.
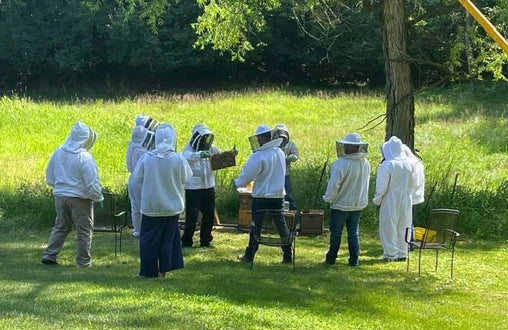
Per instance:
{"type": "Point", "coordinates": [419, 175]}
{"type": "Point", "coordinates": [161, 174]}
{"type": "Point", "coordinates": [418, 196]}
{"type": "Point", "coordinates": [200, 190]}
{"type": "Point", "coordinates": [348, 194]}
{"type": "Point", "coordinates": [292, 155]}
{"type": "Point", "coordinates": [72, 172]}
{"type": "Point", "coordinates": [267, 168]}
{"type": "Point", "coordinates": [395, 185]}
{"type": "Point", "coordinates": [137, 148]}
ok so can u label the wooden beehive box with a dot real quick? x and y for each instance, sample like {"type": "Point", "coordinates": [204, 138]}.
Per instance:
{"type": "Point", "coordinates": [245, 201]}
{"type": "Point", "coordinates": [311, 222]}
{"type": "Point", "coordinates": [244, 219]}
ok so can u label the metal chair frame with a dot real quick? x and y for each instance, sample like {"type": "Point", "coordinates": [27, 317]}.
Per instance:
{"type": "Point", "coordinates": [107, 221]}
{"type": "Point", "coordinates": [266, 240]}
{"type": "Point", "coordinates": [442, 223]}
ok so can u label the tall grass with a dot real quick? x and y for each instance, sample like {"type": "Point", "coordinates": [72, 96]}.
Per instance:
{"type": "Point", "coordinates": [457, 132]}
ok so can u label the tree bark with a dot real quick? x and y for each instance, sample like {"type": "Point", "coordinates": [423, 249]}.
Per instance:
{"type": "Point", "coordinates": [399, 85]}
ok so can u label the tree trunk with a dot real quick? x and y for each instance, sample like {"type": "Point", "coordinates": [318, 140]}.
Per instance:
{"type": "Point", "coordinates": [399, 86]}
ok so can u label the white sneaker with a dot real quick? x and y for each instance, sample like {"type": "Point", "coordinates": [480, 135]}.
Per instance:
{"type": "Point", "coordinates": [135, 233]}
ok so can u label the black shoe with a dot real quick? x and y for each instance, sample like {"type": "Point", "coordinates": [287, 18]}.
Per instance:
{"type": "Point", "coordinates": [329, 262]}
{"type": "Point", "coordinates": [385, 259]}
{"type": "Point", "coordinates": [49, 262]}
{"type": "Point", "coordinates": [243, 258]}
{"type": "Point", "coordinates": [207, 246]}
{"type": "Point", "coordinates": [185, 244]}
{"type": "Point", "coordinates": [400, 259]}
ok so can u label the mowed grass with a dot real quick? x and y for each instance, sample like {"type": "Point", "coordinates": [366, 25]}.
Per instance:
{"type": "Point", "coordinates": [215, 291]}
{"type": "Point", "coordinates": [457, 132]}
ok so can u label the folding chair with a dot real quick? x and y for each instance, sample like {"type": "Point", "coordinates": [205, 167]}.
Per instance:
{"type": "Point", "coordinates": [106, 220]}
{"type": "Point", "coordinates": [268, 234]}
{"type": "Point", "coordinates": [438, 234]}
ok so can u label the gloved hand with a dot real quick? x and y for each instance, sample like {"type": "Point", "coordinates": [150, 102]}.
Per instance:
{"type": "Point", "coordinates": [292, 157]}
{"type": "Point", "coordinates": [204, 154]}
{"type": "Point", "coordinates": [233, 184]}
{"type": "Point", "coordinates": [99, 205]}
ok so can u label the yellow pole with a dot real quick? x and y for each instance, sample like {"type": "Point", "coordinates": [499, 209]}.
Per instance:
{"type": "Point", "coordinates": [491, 30]}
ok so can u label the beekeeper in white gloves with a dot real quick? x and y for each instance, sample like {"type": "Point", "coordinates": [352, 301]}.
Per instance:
{"type": "Point", "coordinates": [72, 172]}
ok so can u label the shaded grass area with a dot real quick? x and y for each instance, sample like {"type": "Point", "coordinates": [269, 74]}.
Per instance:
{"type": "Point", "coordinates": [216, 291]}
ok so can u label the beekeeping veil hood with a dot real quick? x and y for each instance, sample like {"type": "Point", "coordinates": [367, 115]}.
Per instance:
{"type": "Point", "coordinates": [165, 140]}
{"type": "Point", "coordinates": [351, 144]}
{"type": "Point", "coordinates": [392, 149]}
{"type": "Point", "coordinates": [281, 131]}
{"type": "Point", "coordinates": [262, 135]}
{"type": "Point", "coordinates": [147, 122]}
{"type": "Point", "coordinates": [202, 138]}
{"type": "Point", "coordinates": [81, 138]}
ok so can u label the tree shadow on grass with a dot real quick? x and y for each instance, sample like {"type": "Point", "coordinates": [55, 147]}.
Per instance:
{"type": "Point", "coordinates": [209, 275]}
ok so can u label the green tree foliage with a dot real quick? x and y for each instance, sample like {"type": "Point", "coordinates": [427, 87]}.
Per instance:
{"type": "Point", "coordinates": [230, 25]}
{"type": "Point", "coordinates": [311, 41]}
{"type": "Point", "coordinates": [438, 41]}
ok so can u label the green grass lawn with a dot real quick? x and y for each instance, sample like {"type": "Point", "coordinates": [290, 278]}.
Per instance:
{"type": "Point", "coordinates": [216, 291]}
{"type": "Point", "coordinates": [459, 134]}
{"type": "Point", "coordinates": [457, 131]}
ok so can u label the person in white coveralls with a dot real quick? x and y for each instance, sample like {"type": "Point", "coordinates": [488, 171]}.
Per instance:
{"type": "Point", "coordinates": [395, 186]}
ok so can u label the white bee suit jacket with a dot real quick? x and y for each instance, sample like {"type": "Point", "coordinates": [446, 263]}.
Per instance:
{"type": "Point", "coordinates": [161, 174]}
{"type": "Point", "coordinates": [135, 149]}
{"type": "Point", "coordinates": [348, 186]}
{"type": "Point", "coordinates": [267, 168]}
{"type": "Point", "coordinates": [72, 171]}
{"type": "Point", "coordinates": [203, 177]}
{"type": "Point", "coordinates": [418, 196]}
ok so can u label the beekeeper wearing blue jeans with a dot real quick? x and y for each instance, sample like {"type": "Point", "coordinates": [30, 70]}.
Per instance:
{"type": "Point", "coordinates": [347, 192]}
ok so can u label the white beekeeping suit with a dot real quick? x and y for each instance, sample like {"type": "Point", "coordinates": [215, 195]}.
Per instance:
{"type": "Point", "coordinates": [198, 152]}
{"type": "Point", "coordinates": [161, 174]}
{"type": "Point", "coordinates": [418, 196]}
{"type": "Point", "coordinates": [135, 151]}
{"type": "Point", "coordinates": [395, 185]}
{"type": "Point", "coordinates": [72, 171]}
